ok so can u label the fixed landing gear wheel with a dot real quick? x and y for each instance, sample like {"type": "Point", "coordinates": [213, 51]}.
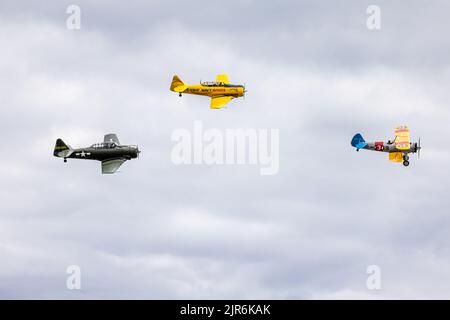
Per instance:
{"type": "Point", "coordinates": [406, 163]}
{"type": "Point", "coordinates": [65, 160]}
{"type": "Point", "coordinates": [179, 95]}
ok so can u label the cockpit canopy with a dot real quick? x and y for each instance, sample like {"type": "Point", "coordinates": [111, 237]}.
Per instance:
{"type": "Point", "coordinates": [220, 84]}
{"type": "Point", "coordinates": [104, 145]}
{"type": "Point", "coordinates": [211, 84]}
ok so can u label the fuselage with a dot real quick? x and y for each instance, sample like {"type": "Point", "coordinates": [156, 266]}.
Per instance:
{"type": "Point", "coordinates": [389, 147]}
{"type": "Point", "coordinates": [216, 90]}
{"type": "Point", "coordinates": [104, 152]}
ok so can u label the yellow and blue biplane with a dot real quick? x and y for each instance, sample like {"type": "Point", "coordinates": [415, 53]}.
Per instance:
{"type": "Point", "coordinates": [398, 149]}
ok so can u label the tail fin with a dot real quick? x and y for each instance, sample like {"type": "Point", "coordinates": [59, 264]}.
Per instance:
{"type": "Point", "coordinates": [177, 84]}
{"type": "Point", "coordinates": [61, 150]}
{"type": "Point", "coordinates": [358, 141]}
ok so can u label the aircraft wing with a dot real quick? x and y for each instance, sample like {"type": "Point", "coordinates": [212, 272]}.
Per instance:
{"type": "Point", "coordinates": [396, 156]}
{"type": "Point", "coordinates": [111, 165]}
{"type": "Point", "coordinates": [219, 102]}
{"type": "Point", "coordinates": [223, 78]}
{"type": "Point", "coordinates": [111, 138]}
{"type": "Point", "coordinates": [402, 139]}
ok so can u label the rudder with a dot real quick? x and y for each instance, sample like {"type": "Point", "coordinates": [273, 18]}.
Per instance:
{"type": "Point", "coordinates": [358, 141]}
{"type": "Point", "coordinates": [177, 84]}
{"type": "Point", "coordinates": [61, 149]}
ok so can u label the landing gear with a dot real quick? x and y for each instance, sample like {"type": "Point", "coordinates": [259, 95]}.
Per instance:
{"type": "Point", "coordinates": [357, 150]}
{"type": "Point", "coordinates": [405, 160]}
{"type": "Point", "coordinates": [65, 160]}
{"type": "Point", "coordinates": [179, 94]}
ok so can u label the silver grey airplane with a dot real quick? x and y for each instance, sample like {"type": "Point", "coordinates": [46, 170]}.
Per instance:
{"type": "Point", "coordinates": [111, 153]}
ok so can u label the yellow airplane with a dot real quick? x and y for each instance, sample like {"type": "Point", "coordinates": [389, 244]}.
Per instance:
{"type": "Point", "coordinates": [220, 91]}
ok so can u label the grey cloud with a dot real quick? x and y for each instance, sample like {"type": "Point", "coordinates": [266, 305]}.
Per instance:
{"type": "Point", "coordinates": [156, 230]}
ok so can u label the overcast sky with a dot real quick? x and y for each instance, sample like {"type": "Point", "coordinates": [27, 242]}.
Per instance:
{"type": "Point", "coordinates": [156, 230]}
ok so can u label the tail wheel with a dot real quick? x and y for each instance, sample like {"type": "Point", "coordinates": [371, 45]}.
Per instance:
{"type": "Point", "coordinates": [406, 163]}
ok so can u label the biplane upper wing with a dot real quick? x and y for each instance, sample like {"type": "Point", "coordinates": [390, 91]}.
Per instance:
{"type": "Point", "coordinates": [111, 138]}
{"type": "Point", "coordinates": [222, 78]}
{"type": "Point", "coordinates": [219, 102]}
{"type": "Point", "coordinates": [402, 138]}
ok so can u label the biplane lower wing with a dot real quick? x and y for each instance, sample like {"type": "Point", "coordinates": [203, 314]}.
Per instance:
{"type": "Point", "coordinates": [396, 156]}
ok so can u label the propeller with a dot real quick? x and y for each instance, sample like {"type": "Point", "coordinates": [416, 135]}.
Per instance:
{"type": "Point", "coordinates": [417, 148]}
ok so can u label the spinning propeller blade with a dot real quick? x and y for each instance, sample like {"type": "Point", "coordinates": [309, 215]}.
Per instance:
{"type": "Point", "coordinates": [417, 148]}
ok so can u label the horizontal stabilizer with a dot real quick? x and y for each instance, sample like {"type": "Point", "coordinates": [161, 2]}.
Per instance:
{"type": "Point", "coordinates": [358, 141]}
{"type": "Point", "coordinates": [180, 88]}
